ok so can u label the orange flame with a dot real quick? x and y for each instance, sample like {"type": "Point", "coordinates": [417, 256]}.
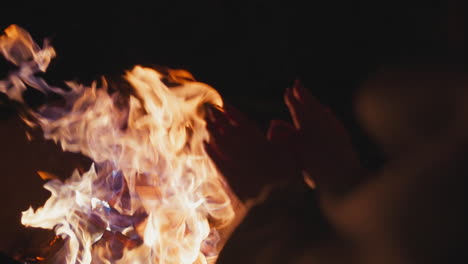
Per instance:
{"type": "Point", "coordinates": [153, 195]}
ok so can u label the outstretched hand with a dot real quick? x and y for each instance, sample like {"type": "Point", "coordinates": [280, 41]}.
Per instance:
{"type": "Point", "coordinates": [322, 145]}
{"type": "Point", "coordinates": [316, 144]}
{"type": "Point", "coordinates": [245, 156]}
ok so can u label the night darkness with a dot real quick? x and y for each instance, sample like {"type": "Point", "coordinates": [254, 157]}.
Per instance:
{"type": "Point", "coordinates": [250, 51]}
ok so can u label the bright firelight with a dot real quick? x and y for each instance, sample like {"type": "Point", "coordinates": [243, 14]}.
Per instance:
{"type": "Point", "coordinates": [152, 194]}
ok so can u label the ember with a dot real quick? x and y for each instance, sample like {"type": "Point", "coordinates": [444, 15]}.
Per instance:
{"type": "Point", "coordinates": [153, 195]}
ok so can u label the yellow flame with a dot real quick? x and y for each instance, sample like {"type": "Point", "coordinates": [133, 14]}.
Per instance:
{"type": "Point", "coordinates": [46, 175]}
{"type": "Point", "coordinates": [153, 195]}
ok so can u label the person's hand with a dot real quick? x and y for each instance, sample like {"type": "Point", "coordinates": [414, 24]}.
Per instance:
{"type": "Point", "coordinates": [243, 154]}
{"type": "Point", "coordinates": [322, 145]}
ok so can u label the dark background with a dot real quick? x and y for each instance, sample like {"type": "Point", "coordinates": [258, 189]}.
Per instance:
{"type": "Point", "coordinates": [250, 51]}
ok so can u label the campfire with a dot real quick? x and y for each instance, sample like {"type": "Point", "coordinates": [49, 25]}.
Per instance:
{"type": "Point", "coordinates": [152, 194]}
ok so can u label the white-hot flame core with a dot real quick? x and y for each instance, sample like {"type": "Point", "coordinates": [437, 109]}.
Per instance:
{"type": "Point", "coordinates": [153, 195]}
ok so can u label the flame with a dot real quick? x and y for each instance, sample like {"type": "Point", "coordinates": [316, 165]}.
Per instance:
{"type": "Point", "coordinates": [152, 194]}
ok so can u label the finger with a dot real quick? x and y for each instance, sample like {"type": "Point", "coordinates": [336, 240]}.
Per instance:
{"type": "Point", "coordinates": [307, 110]}
{"type": "Point", "coordinates": [305, 96]}
{"type": "Point", "coordinates": [217, 117]}
{"type": "Point", "coordinates": [216, 134]}
{"type": "Point", "coordinates": [221, 138]}
{"type": "Point", "coordinates": [309, 101]}
{"type": "Point", "coordinates": [236, 116]}
{"type": "Point", "coordinates": [296, 109]}
{"type": "Point", "coordinates": [318, 113]}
